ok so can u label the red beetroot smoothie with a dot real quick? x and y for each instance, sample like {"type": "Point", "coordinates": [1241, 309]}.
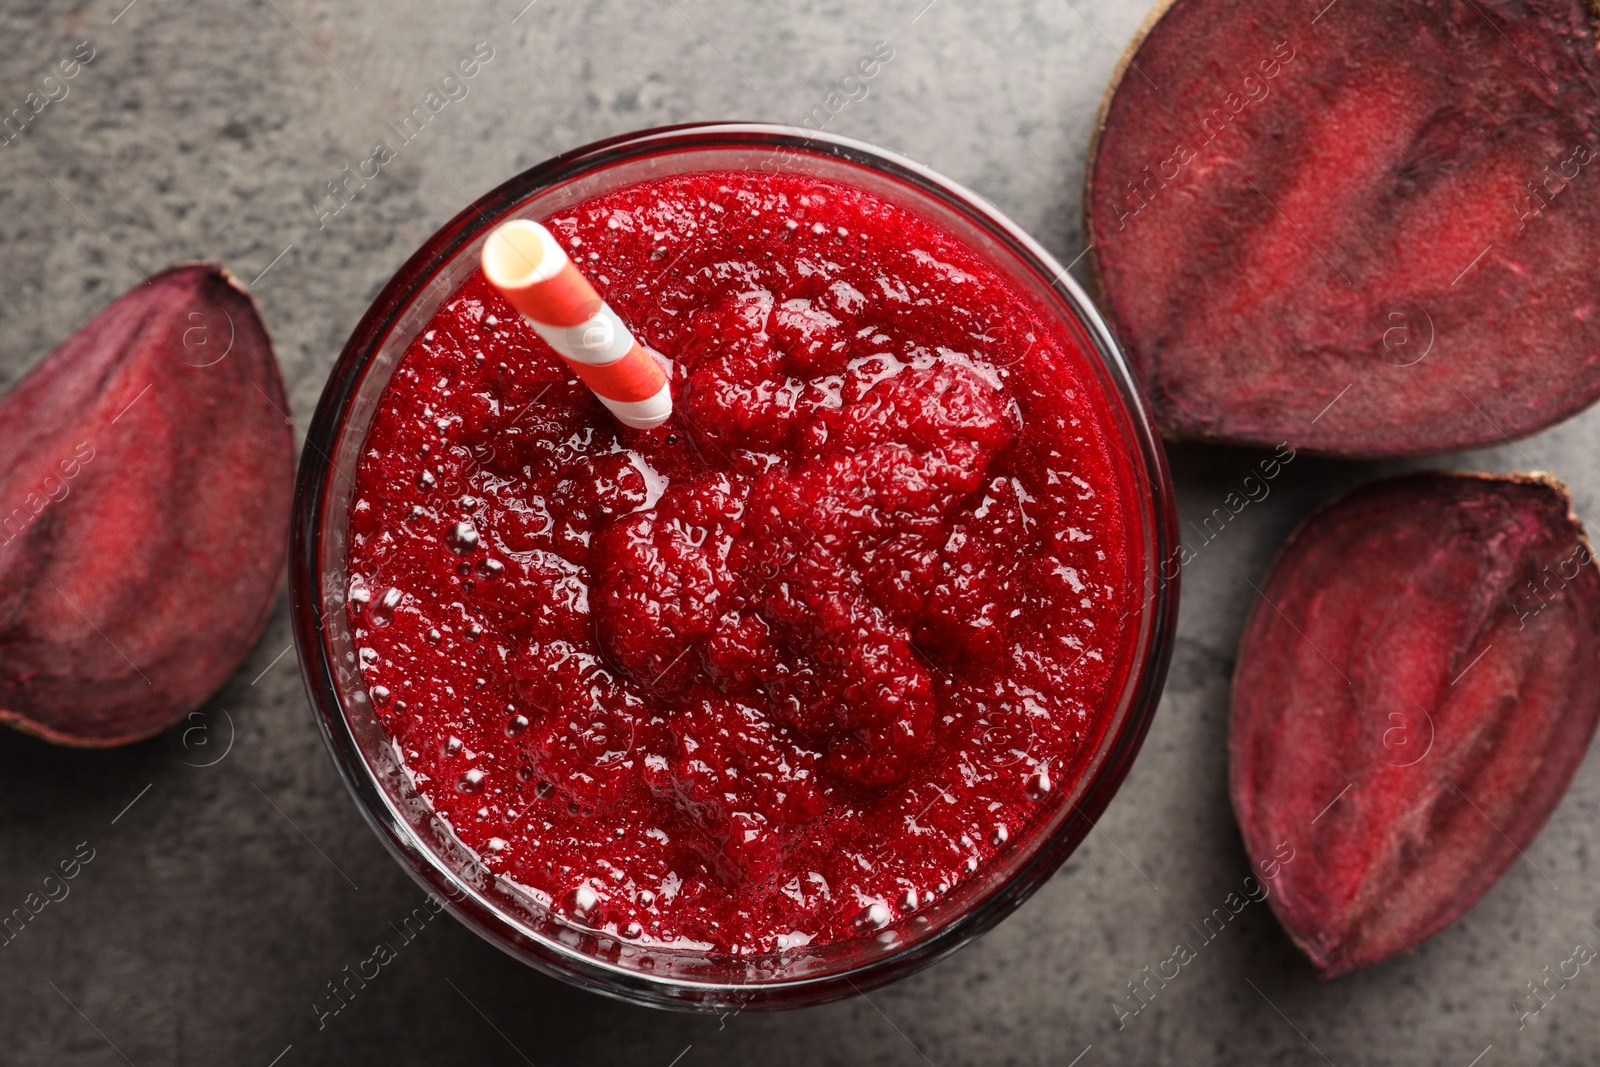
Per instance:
{"type": "Point", "coordinates": [792, 666]}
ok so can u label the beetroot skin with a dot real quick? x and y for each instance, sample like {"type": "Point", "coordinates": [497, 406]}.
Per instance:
{"type": "Point", "coordinates": [1414, 692]}
{"type": "Point", "coordinates": [145, 487]}
{"type": "Point", "coordinates": [1363, 229]}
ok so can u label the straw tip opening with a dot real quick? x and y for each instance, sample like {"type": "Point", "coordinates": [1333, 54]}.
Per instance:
{"type": "Point", "coordinates": [519, 253]}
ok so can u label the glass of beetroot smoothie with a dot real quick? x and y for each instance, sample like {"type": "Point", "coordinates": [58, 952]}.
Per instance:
{"type": "Point", "coordinates": [805, 688]}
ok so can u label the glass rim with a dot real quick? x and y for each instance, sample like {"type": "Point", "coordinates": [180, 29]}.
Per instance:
{"type": "Point", "coordinates": [1104, 775]}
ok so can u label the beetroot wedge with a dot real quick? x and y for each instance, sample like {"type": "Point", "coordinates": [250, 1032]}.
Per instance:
{"type": "Point", "coordinates": [145, 479]}
{"type": "Point", "coordinates": [1414, 692]}
{"type": "Point", "coordinates": [1365, 229]}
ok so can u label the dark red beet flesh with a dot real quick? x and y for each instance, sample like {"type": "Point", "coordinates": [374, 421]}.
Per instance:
{"type": "Point", "coordinates": [1414, 692]}
{"type": "Point", "coordinates": [1369, 232]}
{"type": "Point", "coordinates": [145, 485]}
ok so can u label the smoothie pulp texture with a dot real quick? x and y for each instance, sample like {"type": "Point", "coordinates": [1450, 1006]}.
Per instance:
{"type": "Point", "coordinates": [791, 667]}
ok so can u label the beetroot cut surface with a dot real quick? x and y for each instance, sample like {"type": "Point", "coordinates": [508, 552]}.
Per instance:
{"type": "Point", "coordinates": [1414, 692]}
{"type": "Point", "coordinates": [1364, 229]}
{"type": "Point", "coordinates": [145, 481]}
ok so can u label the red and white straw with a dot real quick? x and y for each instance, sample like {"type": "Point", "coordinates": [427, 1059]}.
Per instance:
{"type": "Point", "coordinates": [525, 263]}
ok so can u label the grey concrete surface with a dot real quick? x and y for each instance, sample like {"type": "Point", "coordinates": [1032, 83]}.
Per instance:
{"type": "Point", "coordinates": [207, 923]}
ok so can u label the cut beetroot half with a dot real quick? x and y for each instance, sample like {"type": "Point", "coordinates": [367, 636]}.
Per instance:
{"type": "Point", "coordinates": [1415, 689]}
{"type": "Point", "coordinates": [1366, 229]}
{"type": "Point", "coordinates": [146, 473]}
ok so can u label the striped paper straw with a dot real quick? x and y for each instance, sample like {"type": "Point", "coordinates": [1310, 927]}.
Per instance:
{"type": "Point", "coordinates": [524, 262]}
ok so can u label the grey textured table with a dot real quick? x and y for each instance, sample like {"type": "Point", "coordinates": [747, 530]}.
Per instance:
{"type": "Point", "coordinates": [212, 915]}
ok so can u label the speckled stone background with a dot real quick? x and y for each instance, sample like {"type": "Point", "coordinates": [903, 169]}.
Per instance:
{"type": "Point", "coordinates": [221, 901]}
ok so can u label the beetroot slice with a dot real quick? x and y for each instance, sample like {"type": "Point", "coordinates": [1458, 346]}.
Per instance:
{"type": "Point", "coordinates": [1414, 691]}
{"type": "Point", "coordinates": [1361, 228]}
{"type": "Point", "coordinates": [145, 482]}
